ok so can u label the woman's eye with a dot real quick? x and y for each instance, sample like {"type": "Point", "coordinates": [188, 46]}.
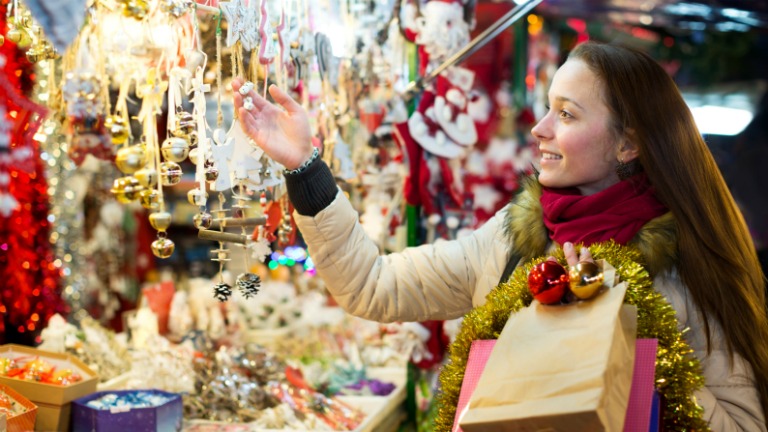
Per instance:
{"type": "Point", "coordinates": [565, 114]}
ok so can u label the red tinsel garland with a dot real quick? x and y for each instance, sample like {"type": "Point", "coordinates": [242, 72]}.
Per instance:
{"type": "Point", "coordinates": [29, 287]}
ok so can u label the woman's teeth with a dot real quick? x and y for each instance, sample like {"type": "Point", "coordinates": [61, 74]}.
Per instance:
{"type": "Point", "coordinates": [551, 156]}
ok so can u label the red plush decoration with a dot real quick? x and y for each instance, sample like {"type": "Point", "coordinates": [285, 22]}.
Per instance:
{"type": "Point", "coordinates": [548, 282]}
{"type": "Point", "coordinates": [29, 292]}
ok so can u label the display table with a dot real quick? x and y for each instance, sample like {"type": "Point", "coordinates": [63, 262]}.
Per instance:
{"type": "Point", "coordinates": [382, 413]}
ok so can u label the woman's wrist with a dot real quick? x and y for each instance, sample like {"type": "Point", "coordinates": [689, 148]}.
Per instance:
{"type": "Point", "coordinates": [303, 166]}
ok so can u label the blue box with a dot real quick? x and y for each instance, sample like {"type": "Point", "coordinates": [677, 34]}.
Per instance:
{"type": "Point", "coordinates": [163, 418]}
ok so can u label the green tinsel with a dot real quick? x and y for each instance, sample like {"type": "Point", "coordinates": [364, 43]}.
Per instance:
{"type": "Point", "coordinates": [678, 372]}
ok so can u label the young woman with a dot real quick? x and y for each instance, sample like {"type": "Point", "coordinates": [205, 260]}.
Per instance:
{"type": "Point", "coordinates": [621, 159]}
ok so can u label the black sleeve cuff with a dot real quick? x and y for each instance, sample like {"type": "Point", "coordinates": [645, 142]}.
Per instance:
{"type": "Point", "coordinates": [313, 189]}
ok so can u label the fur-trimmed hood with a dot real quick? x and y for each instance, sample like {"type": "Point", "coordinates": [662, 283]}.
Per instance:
{"type": "Point", "coordinates": [524, 228]}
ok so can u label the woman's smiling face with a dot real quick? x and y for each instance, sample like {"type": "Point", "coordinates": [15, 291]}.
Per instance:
{"type": "Point", "coordinates": [578, 148]}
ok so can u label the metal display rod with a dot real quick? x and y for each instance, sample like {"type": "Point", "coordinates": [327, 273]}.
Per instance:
{"type": "Point", "coordinates": [475, 44]}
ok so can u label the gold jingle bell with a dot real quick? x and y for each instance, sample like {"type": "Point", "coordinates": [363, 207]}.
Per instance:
{"type": "Point", "coordinates": [14, 35]}
{"type": "Point", "coordinates": [137, 9]}
{"type": "Point", "coordinates": [185, 124]}
{"type": "Point", "coordinates": [193, 153]}
{"type": "Point", "coordinates": [118, 128]}
{"type": "Point", "coordinates": [585, 279]}
{"type": "Point", "coordinates": [163, 248]}
{"type": "Point", "coordinates": [147, 177]}
{"type": "Point", "coordinates": [197, 197]}
{"type": "Point", "coordinates": [211, 174]}
{"type": "Point", "coordinates": [192, 139]}
{"type": "Point", "coordinates": [202, 220]}
{"type": "Point", "coordinates": [126, 189]}
{"type": "Point", "coordinates": [160, 220]}
{"type": "Point", "coordinates": [34, 55]}
{"type": "Point", "coordinates": [175, 149]}
{"type": "Point", "coordinates": [149, 199]}
{"type": "Point", "coordinates": [130, 159]}
{"type": "Point", "coordinates": [170, 173]}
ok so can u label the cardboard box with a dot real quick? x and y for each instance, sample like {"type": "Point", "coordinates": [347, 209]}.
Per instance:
{"type": "Point", "coordinates": [22, 422]}
{"type": "Point", "coordinates": [163, 418]}
{"type": "Point", "coordinates": [53, 401]}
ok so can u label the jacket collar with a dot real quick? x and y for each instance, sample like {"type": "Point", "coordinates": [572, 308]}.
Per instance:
{"type": "Point", "coordinates": [525, 231]}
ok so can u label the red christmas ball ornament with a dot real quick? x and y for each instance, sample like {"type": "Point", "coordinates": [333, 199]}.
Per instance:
{"type": "Point", "coordinates": [548, 282]}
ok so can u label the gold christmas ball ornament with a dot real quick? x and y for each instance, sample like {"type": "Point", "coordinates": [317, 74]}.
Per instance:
{"type": "Point", "coordinates": [126, 189]}
{"type": "Point", "coordinates": [118, 128]}
{"type": "Point", "coordinates": [131, 159]}
{"type": "Point", "coordinates": [197, 197]}
{"type": "Point", "coordinates": [160, 220]}
{"type": "Point", "coordinates": [163, 248]}
{"type": "Point", "coordinates": [149, 199]}
{"type": "Point", "coordinates": [585, 279]}
{"type": "Point", "coordinates": [175, 149]}
{"type": "Point", "coordinates": [170, 173]}
{"type": "Point", "coordinates": [2, 40]}
{"type": "Point", "coordinates": [202, 220]}
{"type": "Point", "coordinates": [147, 177]}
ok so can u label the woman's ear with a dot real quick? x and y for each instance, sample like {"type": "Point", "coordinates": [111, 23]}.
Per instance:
{"type": "Point", "coordinates": [628, 148]}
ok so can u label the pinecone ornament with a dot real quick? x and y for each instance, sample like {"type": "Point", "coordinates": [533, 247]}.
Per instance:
{"type": "Point", "coordinates": [249, 284]}
{"type": "Point", "coordinates": [222, 291]}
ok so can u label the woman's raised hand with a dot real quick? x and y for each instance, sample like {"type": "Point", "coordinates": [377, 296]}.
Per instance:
{"type": "Point", "coordinates": [281, 129]}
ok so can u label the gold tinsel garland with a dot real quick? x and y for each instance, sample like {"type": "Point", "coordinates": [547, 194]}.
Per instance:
{"type": "Point", "coordinates": [678, 372]}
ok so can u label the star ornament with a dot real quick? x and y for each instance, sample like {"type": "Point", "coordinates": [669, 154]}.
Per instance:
{"type": "Point", "coordinates": [241, 21]}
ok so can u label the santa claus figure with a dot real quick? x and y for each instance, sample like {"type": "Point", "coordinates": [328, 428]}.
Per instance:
{"type": "Point", "coordinates": [441, 129]}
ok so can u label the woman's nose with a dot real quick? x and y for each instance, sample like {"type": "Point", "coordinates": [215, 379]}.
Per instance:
{"type": "Point", "coordinates": [541, 130]}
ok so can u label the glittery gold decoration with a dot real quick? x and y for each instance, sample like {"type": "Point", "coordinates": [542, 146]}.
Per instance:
{"type": "Point", "coordinates": [678, 372]}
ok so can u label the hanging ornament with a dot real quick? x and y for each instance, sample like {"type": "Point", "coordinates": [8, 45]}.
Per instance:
{"type": "Point", "coordinates": [147, 177]}
{"type": "Point", "coordinates": [118, 129]}
{"type": "Point", "coordinates": [211, 173]}
{"type": "Point", "coordinates": [193, 155]}
{"type": "Point", "coordinates": [176, 8]}
{"type": "Point", "coordinates": [126, 189]}
{"type": "Point", "coordinates": [160, 221]}
{"type": "Point", "coordinates": [137, 9]}
{"type": "Point", "coordinates": [202, 220]}
{"type": "Point", "coordinates": [185, 124]}
{"type": "Point", "coordinates": [131, 159]}
{"type": "Point", "coordinates": [170, 173]}
{"type": "Point", "coordinates": [222, 291]}
{"type": "Point", "coordinates": [149, 199]}
{"type": "Point", "coordinates": [175, 149]}
{"type": "Point", "coordinates": [248, 284]}
{"type": "Point", "coordinates": [163, 247]}
{"type": "Point", "coordinates": [197, 197]}
{"type": "Point", "coordinates": [285, 229]}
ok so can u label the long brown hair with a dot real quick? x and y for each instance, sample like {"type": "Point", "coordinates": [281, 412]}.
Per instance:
{"type": "Point", "coordinates": [717, 260]}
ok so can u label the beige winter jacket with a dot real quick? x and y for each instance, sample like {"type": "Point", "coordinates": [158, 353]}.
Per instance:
{"type": "Point", "coordinates": [448, 279]}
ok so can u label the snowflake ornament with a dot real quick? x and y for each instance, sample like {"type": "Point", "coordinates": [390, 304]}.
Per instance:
{"type": "Point", "coordinates": [260, 249]}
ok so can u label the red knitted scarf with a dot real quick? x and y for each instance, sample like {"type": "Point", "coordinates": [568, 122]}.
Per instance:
{"type": "Point", "coordinates": [617, 212]}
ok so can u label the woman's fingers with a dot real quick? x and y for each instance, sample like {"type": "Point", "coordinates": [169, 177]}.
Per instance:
{"type": "Point", "coordinates": [586, 256]}
{"type": "Point", "coordinates": [570, 254]}
{"type": "Point", "coordinates": [284, 99]}
{"type": "Point", "coordinates": [572, 258]}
